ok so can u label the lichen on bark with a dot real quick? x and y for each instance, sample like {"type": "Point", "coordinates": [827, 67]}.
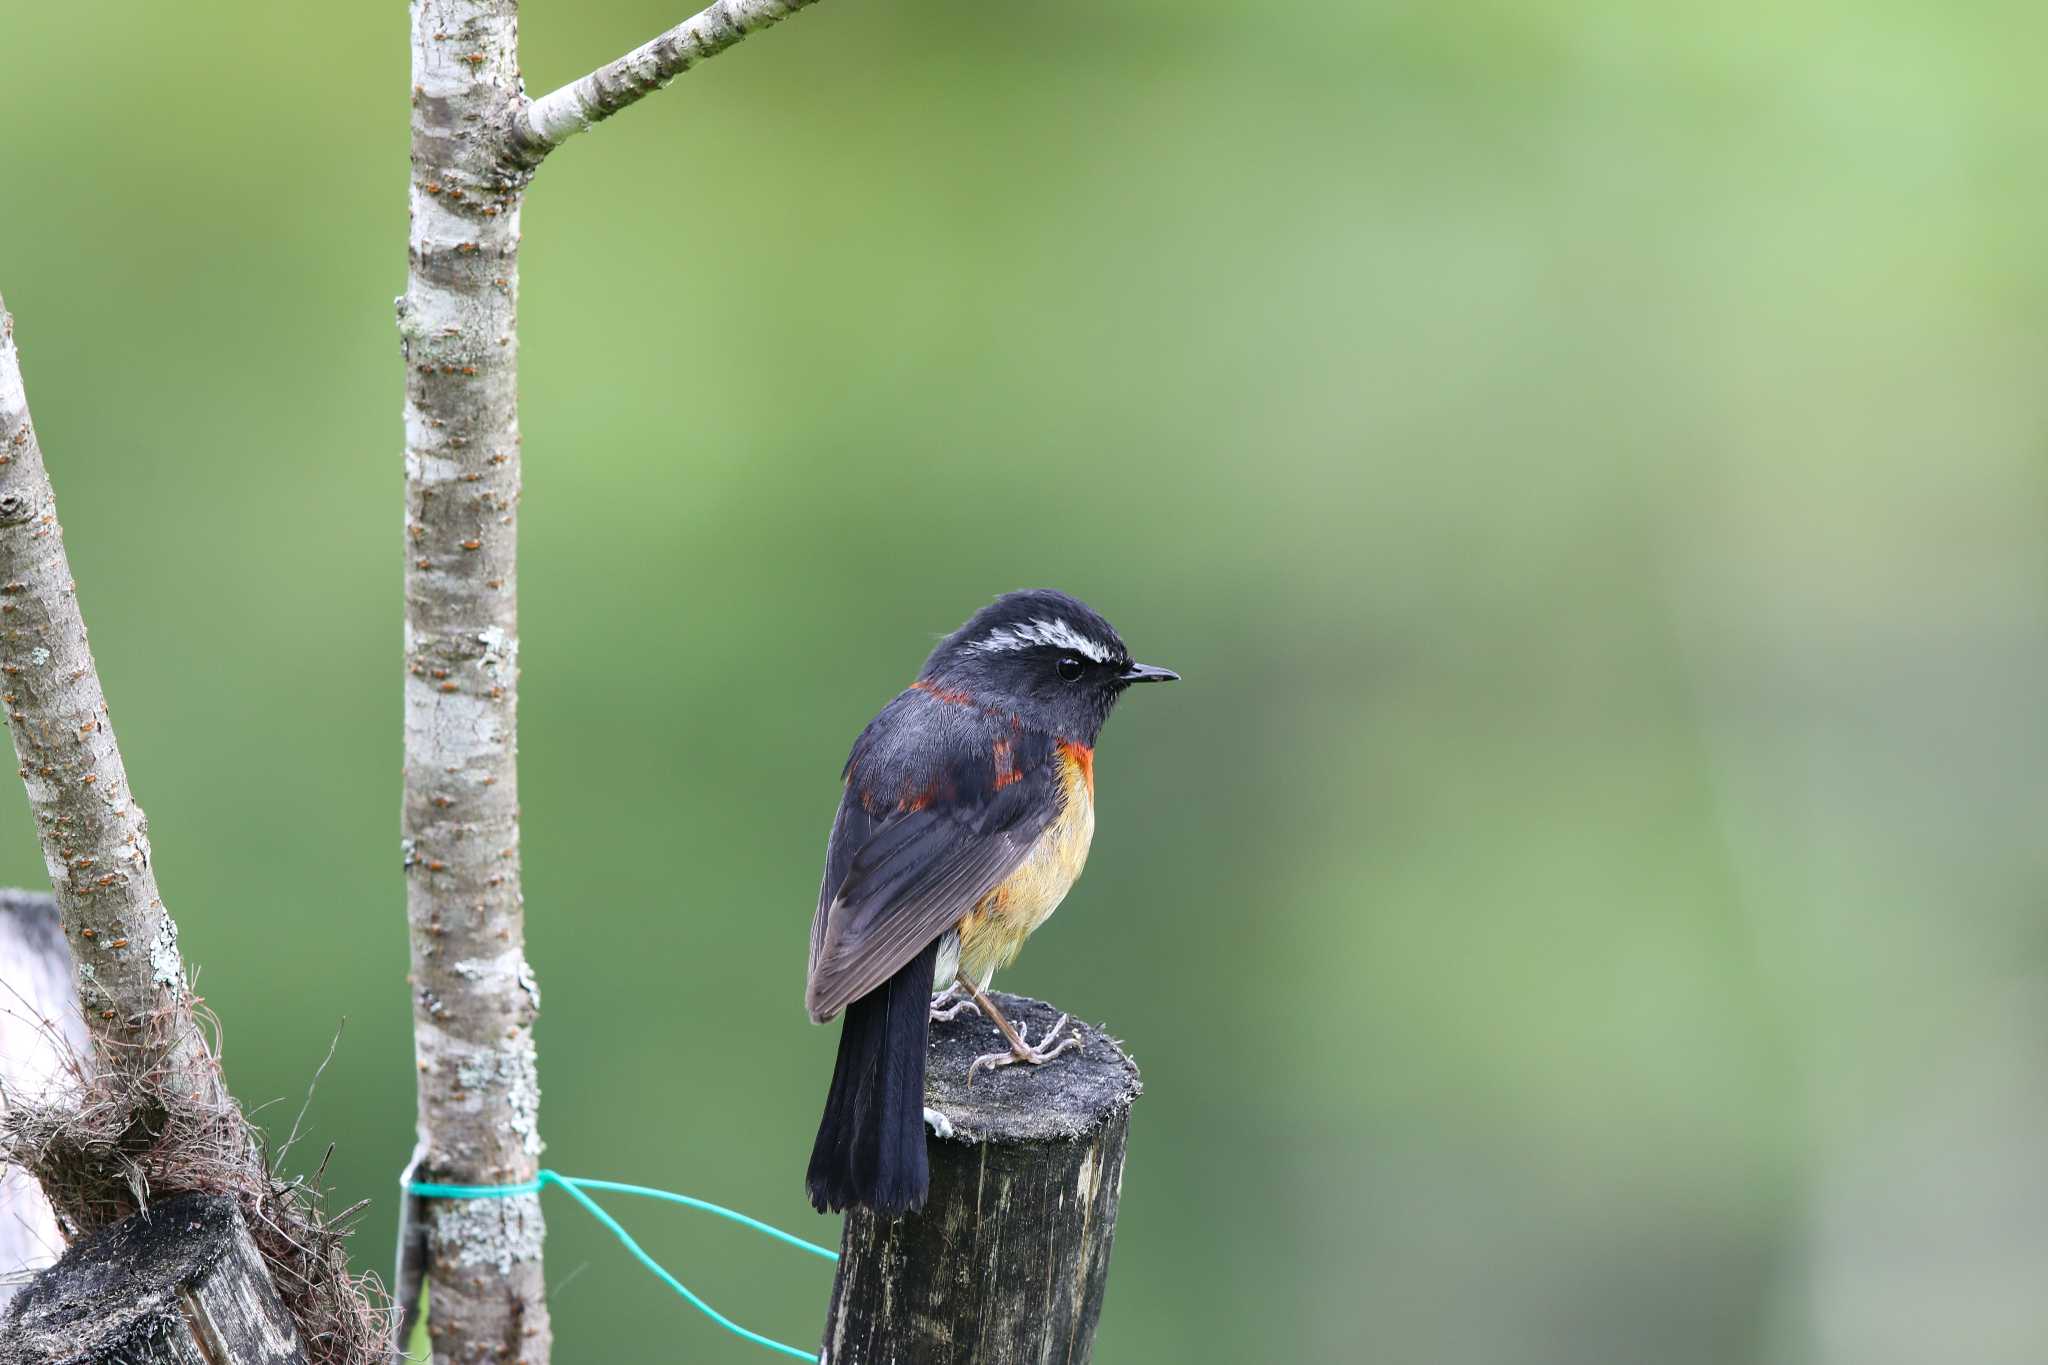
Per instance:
{"type": "Point", "coordinates": [476, 142]}
{"type": "Point", "coordinates": [477, 1081]}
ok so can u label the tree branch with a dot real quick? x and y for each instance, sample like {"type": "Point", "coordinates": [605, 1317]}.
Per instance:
{"type": "Point", "coordinates": [546, 123]}
{"type": "Point", "coordinates": [154, 1117]}
{"type": "Point", "coordinates": [131, 981]}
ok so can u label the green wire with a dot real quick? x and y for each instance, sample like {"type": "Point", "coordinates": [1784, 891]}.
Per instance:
{"type": "Point", "coordinates": [644, 1192]}
{"type": "Point", "coordinates": [427, 1189]}
{"type": "Point", "coordinates": [672, 1282]}
{"type": "Point", "coordinates": [574, 1186]}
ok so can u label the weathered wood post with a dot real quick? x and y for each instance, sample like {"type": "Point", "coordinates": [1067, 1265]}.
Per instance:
{"type": "Point", "coordinates": [182, 1284]}
{"type": "Point", "coordinates": [1007, 1261]}
{"type": "Point", "coordinates": [39, 1021]}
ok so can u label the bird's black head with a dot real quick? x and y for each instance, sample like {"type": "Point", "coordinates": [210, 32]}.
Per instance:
{"type": "Point", "coordinates": [1044, 656]}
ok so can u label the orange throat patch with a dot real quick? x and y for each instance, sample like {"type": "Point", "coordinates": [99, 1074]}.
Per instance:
{"type": "Point", "coordinates": [1079, 757]}
{"type": "Point", "coordinates": [994, 931]}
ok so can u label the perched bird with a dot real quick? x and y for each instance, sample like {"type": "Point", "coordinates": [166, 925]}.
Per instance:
{"type": "Point", "coordinates": [969, 804]}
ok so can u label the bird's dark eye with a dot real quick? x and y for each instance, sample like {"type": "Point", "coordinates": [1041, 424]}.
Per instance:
{"type": "Point", "coordinates": [1069, 667]}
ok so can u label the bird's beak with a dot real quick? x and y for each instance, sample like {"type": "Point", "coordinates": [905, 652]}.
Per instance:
{"type": "Point", "coordinates": [1137, 673]}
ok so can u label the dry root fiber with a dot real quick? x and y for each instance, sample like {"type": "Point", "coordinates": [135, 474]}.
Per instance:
{"type": "Point", "coordinates": [122, 1140]}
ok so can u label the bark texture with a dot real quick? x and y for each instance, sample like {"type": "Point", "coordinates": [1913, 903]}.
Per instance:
{"type": "Point", "coordinates": [474, 997]}
{"type": "Point", "coordinates": [153, 1116]}
{"type": "Point", "coordinates": [95, 840]}
{"type": "Point", "coordinates": [39, 1024]}
{"type": "Point", "coordinates": [180, 1285]}
{"type": "Point", "coordinates": [1008, 1260]}
{"type": "Point", "coordinates": [475, 143]}
{"type": "Point", "coordinates": [561, 114]}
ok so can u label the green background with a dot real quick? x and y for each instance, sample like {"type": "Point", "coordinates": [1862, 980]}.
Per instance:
{"type": "Point", "coordinates": [1585, 901]}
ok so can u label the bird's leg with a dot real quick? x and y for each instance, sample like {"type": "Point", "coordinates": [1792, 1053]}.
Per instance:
{"type": "Point", "coordinates": [947, 1004]}
{"type": "Point", "coordinates": [1021, 1049]}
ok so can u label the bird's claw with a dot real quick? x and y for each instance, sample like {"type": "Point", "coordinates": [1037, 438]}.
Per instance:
{"type": "Point", "coordinates": [1025, 1052]}
{"type": "Point", "coordinates": [950, 1004]}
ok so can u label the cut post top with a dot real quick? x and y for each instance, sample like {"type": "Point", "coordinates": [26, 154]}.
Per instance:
{"type": "Point", "coordinates": [183, 1281]}
{"type": "Point", "coordinates": [1069, 1097]}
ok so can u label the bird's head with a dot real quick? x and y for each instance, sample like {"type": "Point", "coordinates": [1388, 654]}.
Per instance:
{"type": "Point", "coordinates": [1044, 656]}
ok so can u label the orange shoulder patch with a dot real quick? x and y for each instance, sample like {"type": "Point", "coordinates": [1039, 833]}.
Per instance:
{"type": "Point", "coordinates": [946, 694]}
{"type": "Point", "coordinates": [1006, 765]}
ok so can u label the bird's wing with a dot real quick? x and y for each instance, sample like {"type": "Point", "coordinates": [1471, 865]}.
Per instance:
{"type": "Point", "coordinates": [904, 868]}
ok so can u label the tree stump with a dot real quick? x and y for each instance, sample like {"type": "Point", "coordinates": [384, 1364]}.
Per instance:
{"type": "Point", "coordinates": [1008, 1259]}
{"type": "Point", "coordinates": [181, 1284]}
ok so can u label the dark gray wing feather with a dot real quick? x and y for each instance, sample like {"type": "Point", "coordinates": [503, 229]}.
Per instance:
{"type": "Point", "coordinates": [900, 872]}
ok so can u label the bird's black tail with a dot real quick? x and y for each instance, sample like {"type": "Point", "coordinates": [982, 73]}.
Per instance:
{"type": "Point", "coordinates": [870, 1147]}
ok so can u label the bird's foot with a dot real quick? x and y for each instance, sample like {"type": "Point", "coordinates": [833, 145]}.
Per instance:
{"type": "Point", "coordinates": [950, 1004]}
{"type": "Point", "coordinates": [1021, 1049]}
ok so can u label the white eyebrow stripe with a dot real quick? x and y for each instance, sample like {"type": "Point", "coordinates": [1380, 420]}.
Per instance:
{"type": "Point", "coordinates": [1043, 631]}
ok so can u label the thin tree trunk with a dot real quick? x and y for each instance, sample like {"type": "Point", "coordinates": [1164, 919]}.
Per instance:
{"type": "Point", "coordinates": [476, 141]}
{"type": "Point", "coordinates": [124, 944]}
{"type": "Point", "coordinates": [474, 997]}
{"type": "Point", "coordinates": [156, 1117]}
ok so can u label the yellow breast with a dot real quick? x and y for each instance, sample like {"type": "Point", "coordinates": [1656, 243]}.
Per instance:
{"type": "Point", "coordinates": [995, 930]}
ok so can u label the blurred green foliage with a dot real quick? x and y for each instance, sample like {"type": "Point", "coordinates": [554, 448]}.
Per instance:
{"type": "Point", "coordinates": [1584, 903]}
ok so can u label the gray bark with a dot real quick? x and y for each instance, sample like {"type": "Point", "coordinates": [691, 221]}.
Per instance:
{"type": "Point", "coordinates": [169, 1122]}
{"type": "Point", "coordinates": [474, 997]}
{"type": "Point", "coordinates": [180, 1285]}
{"type": "Point", "coordinates": [1008, 1260]}
{"type": "Point", "coordinates": [95, 840]}
{"type": "Point", "coordinates": [39, 1026]}
{"type": "Point", "coordinates": [475, 144]}
{"type": "Point", "coordinates": [130, 980]}
{"type": "Point", "coordinates": [547, 122]}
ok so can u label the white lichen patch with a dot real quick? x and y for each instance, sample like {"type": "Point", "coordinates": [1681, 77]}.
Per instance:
{"type": "Point", "coordinates": [39, 657]}
{"type": "Point", "coordinates": [488, 1233]}
{"type": "Point", "coordinates": [508, 1074]}
{"type": "Point", "coordinates": [165, 966]}
{"type": "Point", "coordinates": [503, 967]}
{"type": "Point", "coordinates": [501, 650]}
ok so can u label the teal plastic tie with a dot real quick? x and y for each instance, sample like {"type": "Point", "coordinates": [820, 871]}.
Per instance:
{"type": "Point", "coordinates": [575, 1185]}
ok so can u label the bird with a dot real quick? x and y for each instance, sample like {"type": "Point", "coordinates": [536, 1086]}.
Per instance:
{"type": "Point", "coordinates": [967, 810]}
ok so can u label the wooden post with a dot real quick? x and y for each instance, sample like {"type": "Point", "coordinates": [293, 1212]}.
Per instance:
{"type": "Point", "coordinates": [39, 1021]}
{"type": "Point", "coordinates": [1007, 1261]}
{"type": "Point", "coordinates": [182, 1284]}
